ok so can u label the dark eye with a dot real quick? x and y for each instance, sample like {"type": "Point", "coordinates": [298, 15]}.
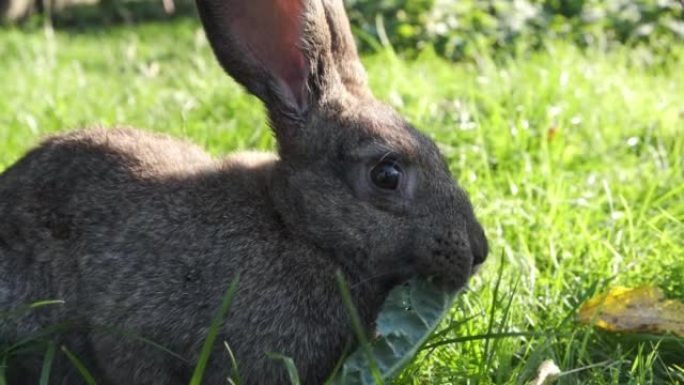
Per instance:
{"type": "Point", "coordinates": [386, 175]}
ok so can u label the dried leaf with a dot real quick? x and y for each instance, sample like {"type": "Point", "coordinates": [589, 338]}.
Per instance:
{"type": "Point", "coordinates": [642, 309]}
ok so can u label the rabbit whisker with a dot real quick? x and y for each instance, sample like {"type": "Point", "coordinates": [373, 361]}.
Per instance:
{"type": "Point", "coordinates": [397, 272]}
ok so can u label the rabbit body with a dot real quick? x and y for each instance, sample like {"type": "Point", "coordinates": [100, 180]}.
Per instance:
{"type": "Point", "coordinates": [144, 233]}
{"type": "Point", "coordinates": [140, 234]}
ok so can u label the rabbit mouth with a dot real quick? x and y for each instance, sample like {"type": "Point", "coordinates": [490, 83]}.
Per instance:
{"type": "Point", "coordinates": [451, 273]}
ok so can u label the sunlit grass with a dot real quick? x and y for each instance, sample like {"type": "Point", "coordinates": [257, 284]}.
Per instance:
{"type": "Point", "coordinates": [574, 161]}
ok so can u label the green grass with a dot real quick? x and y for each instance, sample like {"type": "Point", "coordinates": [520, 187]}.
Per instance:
{"type": "Point", "coordinates": [574, 161]}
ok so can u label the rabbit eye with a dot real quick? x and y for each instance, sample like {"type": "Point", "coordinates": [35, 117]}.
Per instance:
{"type": "Point", "coordinates": [386, 175]}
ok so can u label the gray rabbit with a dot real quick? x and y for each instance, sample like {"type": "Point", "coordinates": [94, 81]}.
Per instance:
{"type": "Point", "coordinates": [142, 234]}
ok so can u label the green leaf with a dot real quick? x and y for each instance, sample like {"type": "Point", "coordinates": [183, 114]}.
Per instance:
{"type": "Point", "coordinates": [407, 318]}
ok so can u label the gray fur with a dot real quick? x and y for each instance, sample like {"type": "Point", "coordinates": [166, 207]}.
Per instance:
{"type": "Point", "coordinates": [143, 233]}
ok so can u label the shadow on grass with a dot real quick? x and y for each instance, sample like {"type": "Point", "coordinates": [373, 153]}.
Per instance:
{"type": "Point", "coordinates": [659, 353]}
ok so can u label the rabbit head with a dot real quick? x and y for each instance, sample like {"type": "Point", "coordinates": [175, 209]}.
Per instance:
{"type": "Point", "coordinates": [354, 178]}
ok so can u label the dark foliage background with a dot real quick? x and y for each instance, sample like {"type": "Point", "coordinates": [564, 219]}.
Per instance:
{"type": "Point", "coordinates": [461, 28]}
{"type": "Point", "coordinates": [455, 29]}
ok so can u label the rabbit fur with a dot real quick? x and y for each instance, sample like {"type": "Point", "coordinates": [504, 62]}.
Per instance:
{"type": "Point", "coordinates": [140, 234]}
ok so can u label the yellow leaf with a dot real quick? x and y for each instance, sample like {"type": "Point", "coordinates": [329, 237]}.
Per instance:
{"type": "Point", "coordinates": [641, 309]}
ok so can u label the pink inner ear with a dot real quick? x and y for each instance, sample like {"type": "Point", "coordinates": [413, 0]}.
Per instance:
{"type": "Point", "coordinates": [272, 31]}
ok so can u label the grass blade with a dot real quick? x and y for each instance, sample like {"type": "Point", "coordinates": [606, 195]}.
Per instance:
{"type": "Point", "coordinates": [484, 366]}
{"type": "Point", "coordinates": [85, 374]}
{"type": "Point", "coordinates": [235, 372]}
{"type": "Point", "coordinates": [3, 365]}
{"type": "Point", "coordinates": [147, 341]}
{"type": "Point", "coordinates": [47, 363]}
{"type": "Point", "coordinates": [213, 333]}
{"type": "Point", "coordinates": [290, 366]}
{"type": "Point", "coordinates": [47, 331]}
{"type": "Point", "coordinates": [358, 327]}
{"type": "Point", "coordinates": [26, 308]}
{"type": "Point", "coordinates": [484, 337]}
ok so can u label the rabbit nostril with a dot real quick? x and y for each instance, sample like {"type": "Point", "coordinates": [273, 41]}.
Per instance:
{"type": "Point", "coordinates": [478, 244]}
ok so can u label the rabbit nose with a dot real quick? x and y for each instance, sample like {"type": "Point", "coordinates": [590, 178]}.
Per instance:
{"type": "Point", "coordinates": [479, 245]}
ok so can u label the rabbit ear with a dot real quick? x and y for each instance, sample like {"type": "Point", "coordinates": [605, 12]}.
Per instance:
{"type": "Point", "coordinates": [343, 49]}
{"type": "Point", "coordinates": [292, 54]}
{"type": "Point", "coordinates": [258, 42]}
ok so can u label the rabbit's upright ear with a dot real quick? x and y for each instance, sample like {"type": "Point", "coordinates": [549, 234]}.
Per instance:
{"type": "Point", "coordinates": [343, 49]}
{"type": "Point", "coordinates": [260, 44]}
{"type": "Point", "coordinates": [291, 54]}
